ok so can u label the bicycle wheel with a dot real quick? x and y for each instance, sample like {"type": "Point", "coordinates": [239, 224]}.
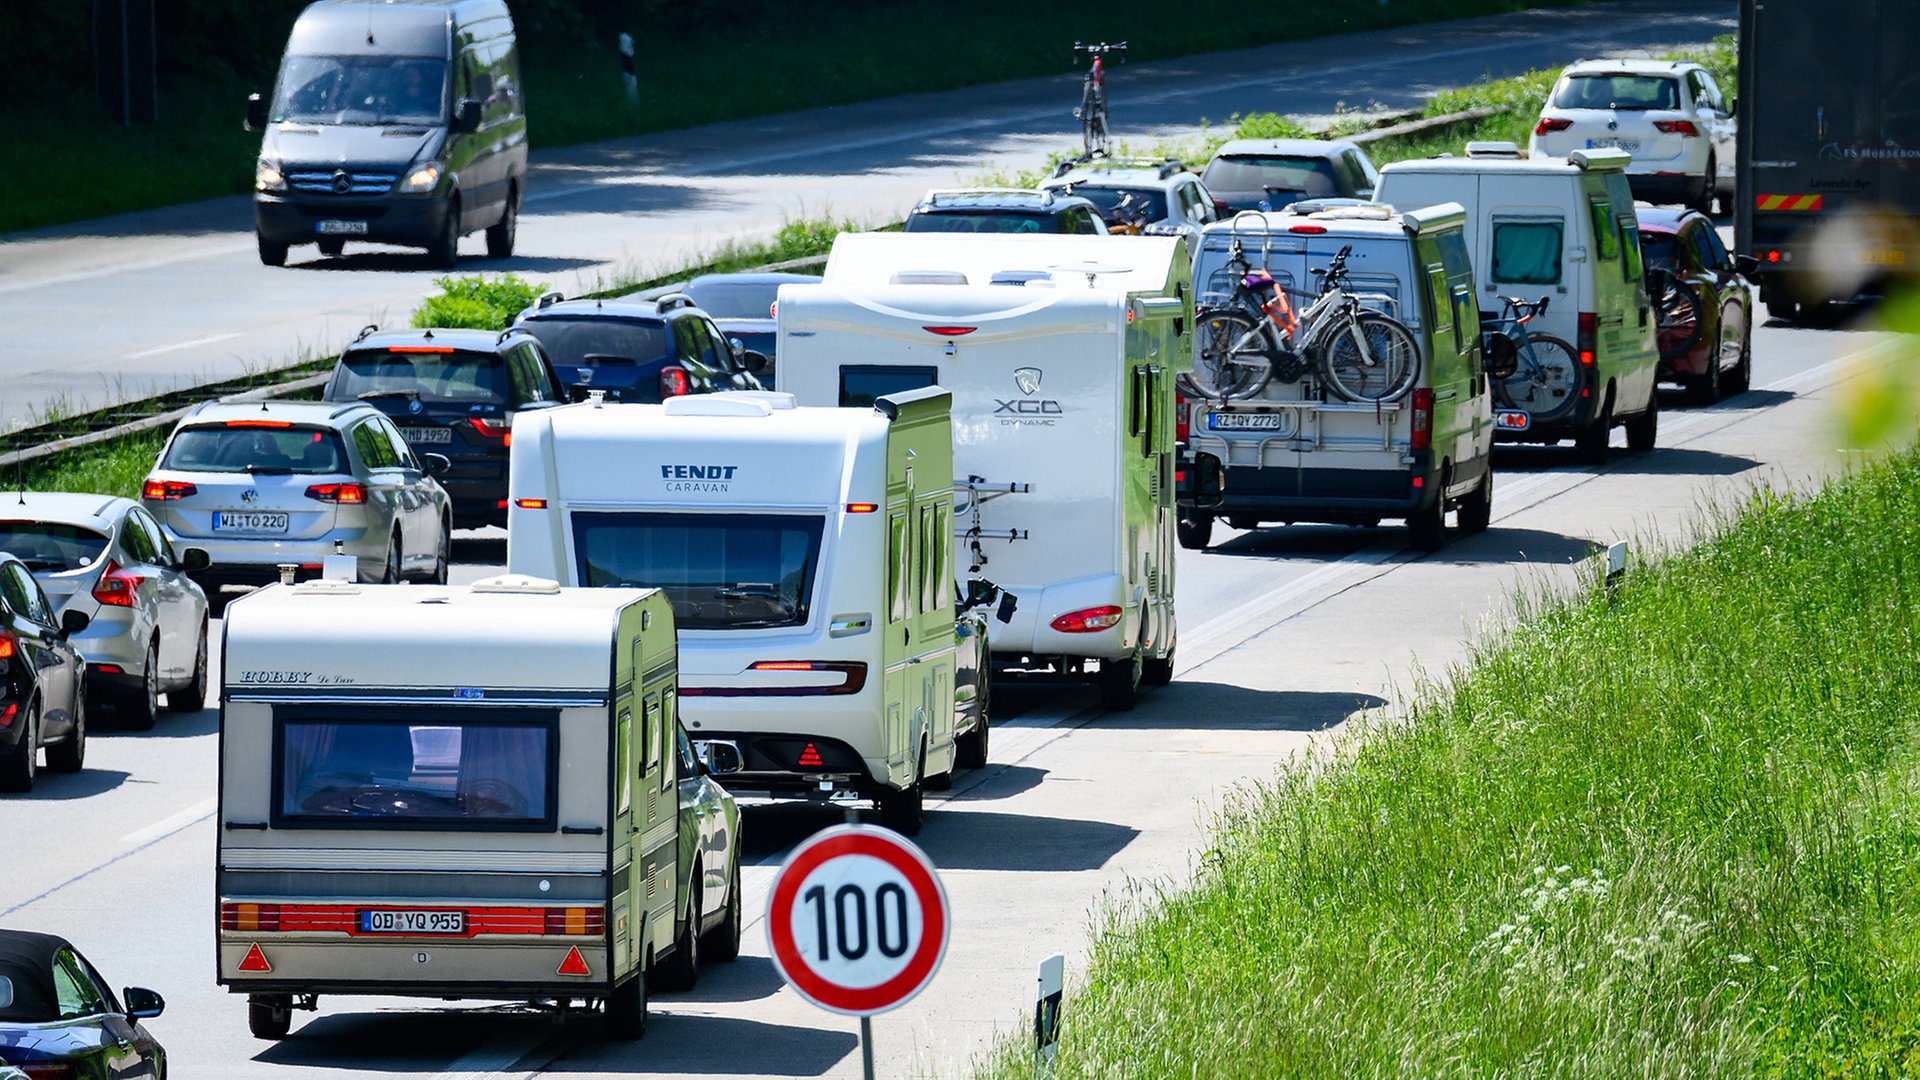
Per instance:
{"type": "Point", "coordinates": [1547, 381]}
{"type": "Point", "coordinates": [1229, 361]}
{"type": "Point", "coordinates": [1679, 317]}
{"type": "Point", "coordinates": [1385, 371]}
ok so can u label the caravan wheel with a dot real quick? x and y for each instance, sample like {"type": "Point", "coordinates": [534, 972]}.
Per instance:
{"type": "Point", "coordinates": [269, 1016]}
{"type": "Point", "coordinates": [627, 1008]}
{"type": "Point", "coordinates": [904, 811]}
{"type": "Point", "coordinates": [1120, 683]}
{"type": "Point", "coordinates": [1157, 671]}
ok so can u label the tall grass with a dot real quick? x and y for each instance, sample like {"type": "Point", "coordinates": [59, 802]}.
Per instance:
{"type": "Point", "coordinates": [116, 467]}
{"type": "Point", "coordinates": [1667, 830]}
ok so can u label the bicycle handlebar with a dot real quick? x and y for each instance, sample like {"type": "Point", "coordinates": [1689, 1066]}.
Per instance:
{"type": "Point", "coordinates": [1526, 308]}
{"type": "Point", "coordinates": [1102, 49]}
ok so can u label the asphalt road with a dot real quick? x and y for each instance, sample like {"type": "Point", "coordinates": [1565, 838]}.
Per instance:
{"type": "Point", "coordinates": [124, 307]}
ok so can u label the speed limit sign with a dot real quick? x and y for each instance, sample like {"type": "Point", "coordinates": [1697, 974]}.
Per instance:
{"type": "Point", "coordinates": [858, 920]}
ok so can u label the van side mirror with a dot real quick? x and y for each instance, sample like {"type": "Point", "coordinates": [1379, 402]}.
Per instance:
{"type": "Point", "coordinates": [256, 113]}
{"type": "Point", "coordinates": [754, 361]}
{"type": "Point", "coordinates": [435, 464]}
{"type": "Point", "coordinates": [1746, 265]}
{"type": "Point", "coordinates": [720, 757]}
{"type": "Point", "coordinates": [466, 117]}
{"type": "Point", "coordinates": [1206, 482]}
{"type": "Point", "coordinates": [194, 558]}
{"type": "Point", "coordinates": [142, 1003]}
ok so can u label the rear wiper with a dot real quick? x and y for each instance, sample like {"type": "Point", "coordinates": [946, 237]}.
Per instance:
{"type": "Point", "coordinates": [375, 394]}
{"type": "Point", "coordinates": [270, 470]}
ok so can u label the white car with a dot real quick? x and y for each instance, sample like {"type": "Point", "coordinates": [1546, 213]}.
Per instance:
{"type": "Point", "coordinates": [1668, 114]}
{"type": "Point", "coordinates": [1164, 197]}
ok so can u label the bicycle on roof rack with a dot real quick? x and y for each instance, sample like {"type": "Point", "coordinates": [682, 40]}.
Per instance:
{"type": "Point", "coordinates": [1254, 336]}
{"type": "Point", "coordinates": [1092, 112]}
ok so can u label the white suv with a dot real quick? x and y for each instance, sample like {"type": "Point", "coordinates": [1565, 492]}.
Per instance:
{"type": "Point", "coordinates": [1668, 114]}
{"type": "Point", "coordinates": [1163, 195]}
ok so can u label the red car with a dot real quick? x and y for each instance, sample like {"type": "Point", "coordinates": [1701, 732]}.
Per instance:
{"type": "Point", "coordinates": [1703, 301]}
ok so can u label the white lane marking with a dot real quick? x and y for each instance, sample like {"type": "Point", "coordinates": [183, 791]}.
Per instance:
{"type": "Point", "coordinates": [171, 824]}
{"type": "Point", "coordinates": [491, 1061]}
{"type": "Point", "coordinates": [126, 267]}
{"type": "Point", "coordinates": [210, 339]}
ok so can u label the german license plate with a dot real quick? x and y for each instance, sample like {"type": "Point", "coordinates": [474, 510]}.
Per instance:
{"type": "Point", "coordinates": [253, 521]}
{"type": "Point", "coordinates": [342, 227]}
{"type": "Point", "coordinates": [427, 434]}
{"type": "Point", "coordinates": [1880, 257]}
{"type": "Point", "coordinates": [1631, 146]}
{"type": "Point", "coordinates": [1221, 421]}
{"type": "Point", "coordinates": [389, 921]}
{"type": "Point", "coordinates": [1512, 420]}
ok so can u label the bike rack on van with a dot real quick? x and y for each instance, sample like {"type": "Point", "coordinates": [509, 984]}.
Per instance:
{"type": "Point", "coordinates": [980, 490]}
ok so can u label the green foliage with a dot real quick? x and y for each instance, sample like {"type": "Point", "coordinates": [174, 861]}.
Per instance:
{"type": "Point", "coordinates": [116, 467]}
{"type": "Point", "coordinates": [477, 301]}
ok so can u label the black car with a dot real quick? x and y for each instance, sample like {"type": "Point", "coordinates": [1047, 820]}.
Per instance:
{"type": "Point", "coordinates": [42, 682]}
{"type": "Point", "coordinates": [58, 1018]}
{"type": "Point", "coordinates": [453, 392]}
{"type": "Point", "coordinates": [742, 307]}
{"type": "Point", "coordinates": [639, 350]}
{"type": "Point", "coordinates": [1005, 210]}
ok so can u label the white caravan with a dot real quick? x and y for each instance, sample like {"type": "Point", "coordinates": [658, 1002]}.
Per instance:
{"type": "Point", "coordinates": [448, 792]}
{"type": "Point", "coordinates": [1061, 353]}
{"type": "Point", "coordinates": [805, 553]}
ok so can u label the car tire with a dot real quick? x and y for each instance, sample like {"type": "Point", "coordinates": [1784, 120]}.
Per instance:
{"type": "Point", "coordinates": [970, 750]}
{"type": "Point", "coordinates": [269, 1016]}
{"type": "Point", "coordinates": [626, 1009]}
{"type": "Point", "coordinates": [682, 968]}
{"type": "Point", "coordinates": [1475, 512]}
{"type": "Point", "coordinates": [1704, 389]}
{"type": "Point", "coordinates": [1157, 670]}
{"type": "Point", "coordinates": [71, 756]}
{"type": "Point", "coordinates": [1784, 310]}
{"type": "Point", "coordinates": [444, 252]}
{"type": "Point", "coordinates": [1591, 445]}
{"type": "Point", "coordinates": [1644, 430]}
{"type": "Point", "coordinates": [1195, 532]}
{"type": "Point", "coordinates": [332, 245]}
{"type": "Point", "coordinates": [19, 767]}
{"type": "Point", "coordinates": [141, 708]}
{"type": "Point", "coordinates": [390, 573]}
{"type": "Point", "coordinates": [444, 560]}
{"type": "Point", "coordinates": [1427, 529]}
{"type": "Point", "coordinates": [193, 696]}
{"type": "Point", "coordinates": [272, 252]}
{"type": "Point", "coordinates": [1120, 684]}
{"type": "Point", "coordinates": [500, 236]}
{"type": "Point", "coordinates": [1738, 379]}
{"type": "Point", "coordinates": [905, 810]}
{"type": "Point", "coordinates": [1703, 201]}
{"type": "Point", "coordinates": [723, 941]}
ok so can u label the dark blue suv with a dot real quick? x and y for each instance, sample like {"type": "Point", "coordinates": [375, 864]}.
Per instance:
{"type": "Point", "coordinates": [638, 350]}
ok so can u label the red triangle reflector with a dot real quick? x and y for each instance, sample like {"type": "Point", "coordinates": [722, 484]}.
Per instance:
{"type": "Point", "coordinates": [574, 964]}
{"type": "Point", "coordinates": [255, 960]}
{"type": "Point", "coordinates": [811, 756]}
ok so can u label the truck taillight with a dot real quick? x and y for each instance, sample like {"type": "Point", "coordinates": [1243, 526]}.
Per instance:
{"type": "Point", "coordinates": [1551, 123]}
{"type": "Point", "coordinates": [165, 490]}
{"type": "Point", "coordinates": [1422, 437]}
{"type": "Point", "coordinates": [1678, 127]}
{"type": "Point", "coordinates": [1088, 620]}
{"type": "Point", "coordinates": [116, 586]}
{"type": "Point", "coordinates": [674, 383]}
{"type": "Point", "coordinates": [1182, 419]}
{"type": "Point", "coordinates": [250, 918]}
{"type": "Point", "coordinates": [338, 493]}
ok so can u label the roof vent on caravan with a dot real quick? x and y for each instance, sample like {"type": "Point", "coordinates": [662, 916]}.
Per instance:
{"type": "Point", "coordinates": [1021, 277]}
{"type": "Point", "coordinates": [927, 277]}
{"type": "Point", "coordinates": [775, 399]}
{"type": "Point", "coordinates": [322, 586]}
{"type": "Point", "coordinates": [1093, 270]}
{"type": "Point", "coordinates": [727, 404]}
{"type": "Point", "coordinates": [1495, 150]}
{"type": "Point", "coordinates": [516, 583]}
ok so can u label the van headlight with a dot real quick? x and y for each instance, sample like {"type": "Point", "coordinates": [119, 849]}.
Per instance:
{"type": "Point", "coordinates": [266, 176]}
{"type": "Point", "coordinates": [422, 179]}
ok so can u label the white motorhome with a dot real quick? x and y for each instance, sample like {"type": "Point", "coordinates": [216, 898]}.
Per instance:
{"type": "Point", "coordinates": [1061, 353]}
{"type": "Point", "coordinates": [806, 555]}
{"type": "Point", "coordinates": [448, 792]}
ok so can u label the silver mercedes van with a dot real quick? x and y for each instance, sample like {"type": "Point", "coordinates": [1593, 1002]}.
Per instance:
{"type": "Point", "coordinates": [401, 122]}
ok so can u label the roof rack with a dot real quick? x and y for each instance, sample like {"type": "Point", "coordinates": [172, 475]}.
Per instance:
{"type": "Point", "coordinates": [1164, 166]}
{"type": "Point", "coordinates": [547, 300]}
{"type": "Point", "coordinates": [955, 196]}
{"type": "Point", "coordinates": [673, 300]}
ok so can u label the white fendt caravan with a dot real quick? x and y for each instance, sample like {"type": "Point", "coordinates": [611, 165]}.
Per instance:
{"type": "Point", "coordinates": [1061, 353]}
{"type": "Point", "coordinates": [806, 555]}
{"type": "Point", "coordinates": [447, 792]}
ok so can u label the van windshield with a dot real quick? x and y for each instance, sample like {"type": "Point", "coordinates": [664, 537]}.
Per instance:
{"type": "Point", "coordinates": [374, 89]}
{"type": "Point", "coordinates": [720, 571]}
{"type": "Point", "coordinates": [416, 768]}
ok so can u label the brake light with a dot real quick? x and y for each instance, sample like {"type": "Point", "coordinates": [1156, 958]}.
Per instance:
{"type": "Point", "coordinates": [258, 423]}
{"type": "Point", "coordinates": [166, 490]}
{"type": "Point", "coordinates": [7, 714]}
{"type": "Point", "coordinates": [674, 383]}
{"type": "Point", "coordinates": [1551, 123]}
{"type": "Point", "coordinates": [1773, 256]}
{"type": "Point", "coordinates": [950, 331]}
{"type": "Point", "coordinates": [49, 1070]}
{"type": "Point", "coordinates": [530, 504]}
{"type": "Point", "coordinates": [1088, 620]}
{"type": "Point", "coordinates": [420, 348]}
{"type": "Point", "coordinates": [250, 918]}
{"type": "Point", "coordinates": [7, 646]}
{"type": "Point", "coordinates": [1584, 339]}
{"type": "Point", "coordinates": [338, 493]}
{"type": "Point", "coordinates": [862, 508]}
{"type": "Point", "coordinates": [576, 921]}
{"type": "Point", "coordinates": [773, 310]}
{"type": "Point", "coordinates": [1677, 127]}
{"type": "Point", "coordinates": [116, 586]}
{"type": "Point", "coordinates": [1308, 230]}
{"type": "Point", "coordinates": [810, 757]}
{"type": "Point", "coordinates": [492, 429]}
{"type": "Point", "coordinates": [1182, 419]}
{"type": "Point", "coordinates": [1422, 438]}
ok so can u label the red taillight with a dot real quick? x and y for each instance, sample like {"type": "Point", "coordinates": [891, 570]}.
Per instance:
{"type": "Point", "coordinates": [773, 310]}
{"type": "Point", "coordinates": [1088, 620]}
{"type": "Point", "coordinates": [492, 429]}
{"type": "Point", "coordinates": [674, 383]}
{"type": "Point", "coordinates": [1551, 123]}
{"type": "Point", "coordinates": [862, 508]}
{"type": "Point", "coordinates": [166, 490]}
{"type": "Point", "coordinates": [116, 586]}
{"type": "Point", "coordinates": [7, 714]}
{"type": "Point", "coordinates": [49, 1070]}
{"type": "Point", "coordinates": [810, 757]}
{"type": "Point", "coordinates": [1422, 438]}
{"type": "Point", "coordinates": [575, 921]}
{"type": "Point", "coordinates": [7, 646]}
{"type": "Point", "coordinates": [1307, 230]}
{"type": "Point", "coordinates": [1677, 127]}
{"type": "Point", "coordinates": [1773, 256]}
{"type": "Point", "coordinates": [530, 504]}
{"type": "Point", "coordinates": [1584, 339]}
{"type": "Point", "coordinates": [949, 331]}
{"type": "Point", "coordinates": [338, 493]}
{"type": "Point", "coordinates": [1182, 419]}
{"type": "Point", "coordinates": [250, 918]}
{"type": "Point", "coordinates": [258, 423]}
{"type": "Point", "coordinates": [419, 348]}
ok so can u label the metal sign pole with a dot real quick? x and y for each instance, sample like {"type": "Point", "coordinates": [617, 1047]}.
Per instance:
{"type": "Point", "coordinates": [866, 1045]}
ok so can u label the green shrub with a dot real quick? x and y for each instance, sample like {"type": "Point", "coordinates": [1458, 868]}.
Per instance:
{"type": "Point", "coordinates": [477, 301]}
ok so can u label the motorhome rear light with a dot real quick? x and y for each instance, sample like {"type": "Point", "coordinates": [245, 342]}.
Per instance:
{"type": "Point", "coordinates": [853, 679]}
{"type": "Point", "coordinates": [1589, 327]}
{"type": "Point", "coordinates": [116, 586]}
{"type": "Point", "coordinates": [420, 348]}
{"type": "Point", "coordinates": [1419, 483]}
{"type": "Point", "coordinates": [571, 920]}
{"type": "Point", "coordinates": [810, 757]}
{"type": "Point", "coordinates": [338, 493]}
{"type": "Point", "coordinates": [258, 423]}
{"type": "Point", "coordinates": [574, 964]}
{"type": "Point", "coordinates": [1551, 123]}
{"type": "Point", "coordinates": [166, 490]}
{"type": "Point", "coordinates": [1307, 230]}
{"type": "Point", "coordinates": [1088, 620]}
{"type": "Point", "coordinates": [773, 310]}
{"type": "Point", "coordinates": [7, 714]}
{"type": "Point", "coordinates": [492, 429]}
{"type": "Point", "coordinates": [1677, 127]}
{"type": "Point", "coordinates": [1179, 476]}
{"type": "Point", "coordinates": [950, 331]}
{"type": "Point", "coordinates": [530, 504]}
{"type": "Point", "coordinates": [1182, 419]}
{"type": "Point", "coordinates": [784, 665]}
{"type": "Point", "coordinates": [250, 918]}
{"type": "Point", "coordinates": [256, 960]}
{"type": "Point", "coordinates": [1422, 437]}
{"type": "Point", "coordinates": [862, 508]}
{"type": "Point", "coordinates": [674, 383]}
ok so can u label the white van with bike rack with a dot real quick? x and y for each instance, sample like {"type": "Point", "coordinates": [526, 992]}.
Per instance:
{"type": "Point", "coordinates": [1061, 353]}
{"type": "Point", "coordinates": [1313, 432]}
{"type": "Point", "coordinates": [1564, 228]}
{"type": "Point", "coordinates": [806, 555]}
{"type": "Point", "coordinates": [447, 792]}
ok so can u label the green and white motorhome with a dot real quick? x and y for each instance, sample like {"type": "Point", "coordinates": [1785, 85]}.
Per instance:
{"type": "Point", "coordinates": [807, 555]}
{"type": "Point", "coordinates": [447, 792]}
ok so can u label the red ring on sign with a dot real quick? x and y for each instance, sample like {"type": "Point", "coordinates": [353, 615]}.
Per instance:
{"type": "Point", "coordinates": [855, 1001]}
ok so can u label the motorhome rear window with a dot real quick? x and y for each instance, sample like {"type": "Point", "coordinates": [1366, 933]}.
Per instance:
{"type": "Point", "coordinates": [1527, 252]}
{"type": "Point", "coordinates": [242, 447]}
{"type": "Point", "coordinates": [445, 769]}
{"type": "Point", "coordinates": [375, 89]}
{"type": "Point", "coordinates": [454, 376]}
{"type": "Point", "coordinates": [860, 386]}
{"type": "Point", "coordinates": [720, 571]}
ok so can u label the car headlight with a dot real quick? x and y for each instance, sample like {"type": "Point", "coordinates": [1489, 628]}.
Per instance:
{"type": "Point", "coordinates": [422, 179]}
{"type": "Point", "coordinates": [266, 176]}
